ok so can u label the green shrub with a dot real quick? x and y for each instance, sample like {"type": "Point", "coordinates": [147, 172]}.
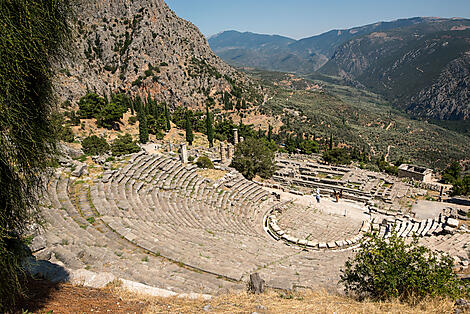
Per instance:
{"type": "Point", "coordinates": [204, 162]}
{"type": "Point", "coordinates": [124, 145]}
{"type": "Point", "coordinates": [337, 156]}
{"type": "Point", "coordinates": [94, 145]}
{"type": "Point", "coordinates": [388, 269]}
{"type": "Point", "coordinates": [132, 120]}
{"type": "Point", "coordinates": [253, 157]}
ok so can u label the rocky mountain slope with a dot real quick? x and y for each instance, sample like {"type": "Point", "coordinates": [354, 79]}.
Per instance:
{"type": "Point", "coordinates": [142, 47]}
{"type": "Point", "coordinates": [422, 68]}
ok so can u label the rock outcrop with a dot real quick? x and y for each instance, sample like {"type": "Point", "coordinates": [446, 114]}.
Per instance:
{"type": "Point", "coordinates": [142, 47]}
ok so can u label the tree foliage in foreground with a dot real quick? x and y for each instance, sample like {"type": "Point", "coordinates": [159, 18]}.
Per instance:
{"type": "Point", "coordinates": [389, 268]}
{"type": "Point", "coordinates": [253, 157]}
{"type": "Point", "coordinates": [31, 34]}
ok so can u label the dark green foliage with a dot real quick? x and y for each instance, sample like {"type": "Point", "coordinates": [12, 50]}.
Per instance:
{"type": "Point", "coordinates": [270, 133]}
{"type": "Point", "coordinates": [124, 145]}
{"type": "Point", "coordinates": [204, 162]}
{"type": "Point", "coordinates": [337, 156]}
{"type": "Point", "coordinates": [132, 120]}
{"type": "Point", "coordinates": [389, 269]}
{"type": "Point", "coordinates": [32, 33]}
{"type": "Point", "coordinates": [167, 118]}
{"type": "Point", "coordinates": [461, 186]}
{"type": "Point", "coordinates": [62, 130]}
{"type": "Point", "coordinates": [209, 127]}
{"type": "Point", "coordinates": [90, 106]}
{"type": "Point", "coordinates": [452, 173]}
{"type": "Point", "coordinates": [110, 114]}
{"type": "Point", "coordinates": [142, 117]}
{"type": "Point", "coordinates": [94, 145]}
{"type": "Point", "coordinates": [143, 128]}
{"type": "Point", "coordinates": [253, 157]}
{"type": "Point", "coordinates": [189, 127]}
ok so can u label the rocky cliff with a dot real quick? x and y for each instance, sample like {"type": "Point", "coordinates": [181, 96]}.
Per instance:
{"type": "Point", "coordinates": [449, 96]}
{"type": "Point", "coordinates": [421, 68]}
{"type": "Point", "coordinates": [142, 47]}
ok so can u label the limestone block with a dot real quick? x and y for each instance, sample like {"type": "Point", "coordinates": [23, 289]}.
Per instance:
{"type": "Point", "coordinates": [451, 222]}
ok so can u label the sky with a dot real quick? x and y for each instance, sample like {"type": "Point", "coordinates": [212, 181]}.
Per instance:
{"type": "Point", "coordinates": [304, 18]}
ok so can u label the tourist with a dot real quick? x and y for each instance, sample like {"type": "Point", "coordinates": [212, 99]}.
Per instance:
{"type": "Point", "coordinates": [336, 195]}
{"type": "Point", "coordinates": [318, 195]}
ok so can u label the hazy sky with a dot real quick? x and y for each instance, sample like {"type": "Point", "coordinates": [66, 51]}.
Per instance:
{"type": "Point", "coordinates": [304, 18]}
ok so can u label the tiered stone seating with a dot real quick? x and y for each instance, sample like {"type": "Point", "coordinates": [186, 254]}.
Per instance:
{"type": "Point", "coordinates": [409, 227]}
{"type": "Point", "coordinates": [90, 244]}
{"type": "Point", "coordinates": [159, 222]}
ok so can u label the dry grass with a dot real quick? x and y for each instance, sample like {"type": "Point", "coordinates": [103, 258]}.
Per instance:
{"type": "Point", "coordinates": [282, 302]}
{"type": "Point", "coordinates": [212, 174]}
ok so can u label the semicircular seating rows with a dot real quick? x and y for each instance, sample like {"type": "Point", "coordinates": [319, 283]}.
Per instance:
{"type": "Point", "coordinates": [159, 222]}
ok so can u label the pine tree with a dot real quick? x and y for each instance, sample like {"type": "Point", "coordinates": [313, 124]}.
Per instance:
{"type": "Point", "coordinates": [189, 127]}
{"type": "Point", "coordinates": [210, 127]}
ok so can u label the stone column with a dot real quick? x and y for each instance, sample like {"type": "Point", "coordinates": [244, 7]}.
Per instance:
{"type": "Point", "coordinates": [223, 157]}
{"type": "Point", "coordinates": [184, 153]}
{"type": "Point", "coordinates": [170, 147]}
{"type": "Point", "coordinates": [230, 151]}
{"type": "Point", "coordinates": [235, 136]}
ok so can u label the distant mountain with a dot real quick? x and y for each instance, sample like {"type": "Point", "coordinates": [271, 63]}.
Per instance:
{"type": "Point", "coordinates": [270, 52]}
{"type": "Point", "coordinates": [420, 64]}
{"type": "Point", "coordinates": [278, 53]}
{"type": "Point", "coordinates": [422, 68]}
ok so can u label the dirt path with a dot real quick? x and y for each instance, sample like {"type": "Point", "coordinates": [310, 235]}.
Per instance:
{"type": "Point", "coordinates": [65, 298]}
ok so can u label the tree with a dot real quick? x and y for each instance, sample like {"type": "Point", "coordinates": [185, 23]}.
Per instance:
{"type": "Point", "coordinates": [389, 268]}
{"type": "Point", "coordinates": [167, 118]}
{"type": "Point", "coordinates": [90, 106]}
{"type": "Point", "coordinates": [461, 186]}
{"type": "Point", "coordinates": [338, 156]}
{"type": "Point", "coordinates": [330, 145]}
{"type": "Point", "coordinates": [32, 34]}
{"type": "Point", "coordinates": [124, 145]}
{"type": "Point", "coordinates": [142, 117]}
{"type": "Point", "coordinates": [270, 133]}
{"type": "Point", "coordinates": [110, 114]}
{"type": "Point", "coordinates": [253, 157]}
{"type": "Point", "coordinates": [209, 127]}
{"type": "Point", "coordinates": [94, 145]}
{"type": "Point", "coordinates": [452, 173]}
{"type": "Point", "coordinates": [189, 127]}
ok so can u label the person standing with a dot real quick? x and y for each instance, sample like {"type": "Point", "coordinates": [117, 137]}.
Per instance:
{"type": "Point", "coordinates": [318, 195]}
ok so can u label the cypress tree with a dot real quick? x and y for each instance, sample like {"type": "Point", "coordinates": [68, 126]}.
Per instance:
{"type": "Point", "coordinates": [189, 127]}
{"type": "Point", "coordinates": [142, 117]}
{"type": "Point", "coordinates": [331, 142]}
{"type": "Point", "coordinates": [167, 118]}
{"type": "Point", "coordinates": [210, 127]}
{"type": "Point", "coordinates": [270, 133]}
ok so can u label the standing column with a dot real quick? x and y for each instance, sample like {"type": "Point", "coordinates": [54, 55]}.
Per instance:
{"type": "Point", "coordinates": [223, 157]}
{"type": "Point", "coordinates": [184, 153]}
{"type": "Point", "coordinates": [170, 147]}
{"type": "Point", "coordinates": [230, 151]}
{"type": "Point", "coordinates": [235, 136]}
